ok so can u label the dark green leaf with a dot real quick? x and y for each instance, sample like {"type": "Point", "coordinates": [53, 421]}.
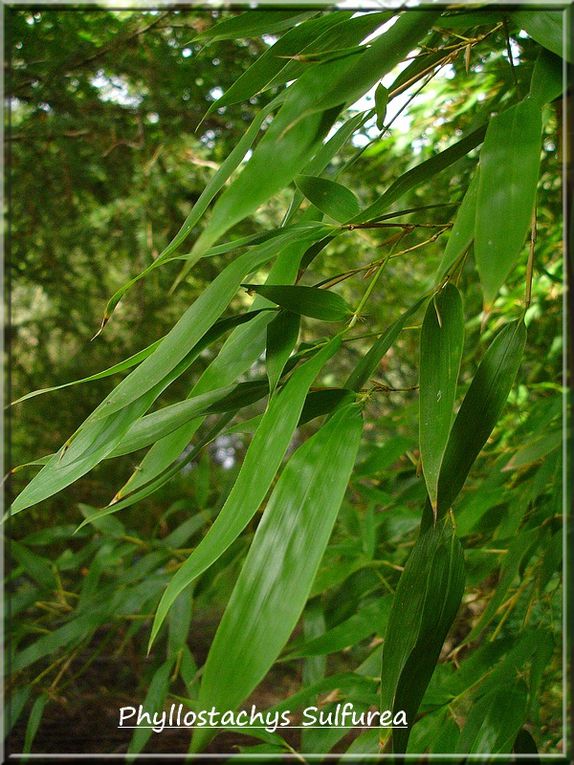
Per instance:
{"type": "Point", "coordinates": [462, 232]}
{"type": "Point", "coordinates": [509, 163]}
{"type": "Point", "coordinates": [494, 720]}
{"type": "Point", "coordinates": [425, 604]}
{"type": "Point", "coordinates": [307, 301]}
{"type": "Point", "coordinates": [480, 410]}
{"type": "Point", "coordinates": [381, 101]}
{"type": "Point", "coordinates": [282, 334]}
{"type": "Point", "coordinates": [252, 24]}
{"type": "Point", "coordinates": [442, 340]}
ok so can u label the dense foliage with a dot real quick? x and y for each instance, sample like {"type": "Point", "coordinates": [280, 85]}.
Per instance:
{"type": "Point", "coordinates": [330, 469]}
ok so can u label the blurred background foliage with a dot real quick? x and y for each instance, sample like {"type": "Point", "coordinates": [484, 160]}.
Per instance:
{"type": "Point", "coordinates": [105, 160]}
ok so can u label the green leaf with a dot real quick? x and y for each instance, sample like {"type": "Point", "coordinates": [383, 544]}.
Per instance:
{"type": "Point", "coordinates": [276, 58]}
{"type": "Point", "coordinates": [331, 198]}
{"type": "Point", "coordinates": [548, 28]}
{"type": "Point", "coordinates": [494, 720]}
{"type": "Point", "coordinates": [152, 427]}
{"type": "Point", "coordinates": [252, 24]}
{"type": "Point", "coordinates": [259, 467]}
{"type": "Point", "coordinates": [421, 173]}
{"type": "Point", "coordinates": [425, 604]}
{"type": "Point", "coordinates": [369, 620]}
{"type": "Point", "coordinates": [518, 555]}
{"type": "Point", "coordinates": [509, 164]}
{"type": "Point", "coordinates": [480, 410]}
{"type": "Point", "coordinates": [369, 363]}
{"type": "Point", "coordinates": [441, 345]}
{"type": "Point", "coordinates": [278, 573]}
{"type": "Point", "coordinates": [307, 301]}
{"type": "Point", "coordinates": [547, 78]}
{"type": "Point", "coordinates": [38, 568]}
{"type": "Point", "coordinates": [34, 721]}
{"type": "Point", "coordinates": [131, 361]}
{"type": "Point", "coordinates": [153, 702]}
{"type": "Point", "coordinates": [381, 101]}
{"type": "Point", "coordinates": [282, 334]}
{"type": "Point", "coordinates": [462, 232]}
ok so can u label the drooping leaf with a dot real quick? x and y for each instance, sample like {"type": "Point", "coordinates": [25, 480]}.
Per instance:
{"type": "Point", "coordinates": [462, 232]}
{"type": "Point", "coordinates": [424, 606]}
{"type": "Point", "coordinates": [509, 164]}
{"type": "Point", "coordinates": [331, 198]}
{"type": "Point", "coordinates": [242, 348]}
{"type": "Point", "coordinates": [276, 578]}
{"type": "Point", "coordinates": [282, 334]}
{"type": "Point", "coordinates": [480, 410]}
{"type": "Point", "coordinates": [307, 301]}
{"type": "Point", "coordinates": [442, 340]}
{"type": "Point", "coordinates": [259, 467]}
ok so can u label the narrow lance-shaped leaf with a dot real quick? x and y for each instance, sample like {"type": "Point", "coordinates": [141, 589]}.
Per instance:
{"type": "Point", "coordinates": [259, 467]}
{"type": "Point", "coordinates": [331, 198]}
{"type": "Point", "coordinates": [462, 232]}
{"type": "Point", "coordinates": [369, 363]}
{"type": "Point", "coordinates": [480, 410]}
{"type": "Point", "coordinates": [97, 438]}
{"type": "Point", "coordinates": [276, 578]}
{"type": "Point", "coordinates": [442, 339]}
{"type": "Point", "coordinates": [425, 604]}
{"type": "Point", "coordinates": [509, 164]}
{"type": "Point", "coordinates": [282, 334]}
{"type": "Point", "coordinates": [495, 720]}
{"type": "Point", "coordinates": [547, 78]}
{"type": "Point", "coordinates": [195, 322]}
{"type": "Point", "coordinates": [307, 301]}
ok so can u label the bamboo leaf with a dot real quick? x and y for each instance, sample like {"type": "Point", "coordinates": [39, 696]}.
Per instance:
{"type": "Point", "coordinates": [331, 198]}
{"type": "Point", "coordinates": [307, 301]}
{"type": "Point", "coordinates": [548, 28]}
{"type": "Point", "coordinates": [421, 173]}
{"type": "Point", "coordinates": [259, 467]}
{"type": "Point", "coordinates": [152, 427]}
{"type": "Point", "coordinates": [425, 604]}
{"type": "Point", "coordinates": [268, 598]}
{"type": "Point", "coordinates": [197, 320]}
{"type": "Point", "coordinates": [462, 232]}
{"type": "Point", "coordinates": [480, 410]}
{"type": "Point", "coordinates": [369, 363]}
{"type": "Point", "coordinates": [495, 720]}
{"type": "Point", "coordinates": [252, 24]}
{"type": "Point", "coordinates": [276, 58]}
{"type": "Point", "coordinates": [240, 351]}
{"type": "Point", "coordinates": [442, 340]}
{"type": "Point", "coordinates": [509, 164]}
{"type": "Point", "coordinates": [282, 334]}
{"type": "Point", "coordinates": [154, 701]}
{"type": "Point", "coordinates": [547, 78]}
{"type": "Point", "coordinates": [34, 721]}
